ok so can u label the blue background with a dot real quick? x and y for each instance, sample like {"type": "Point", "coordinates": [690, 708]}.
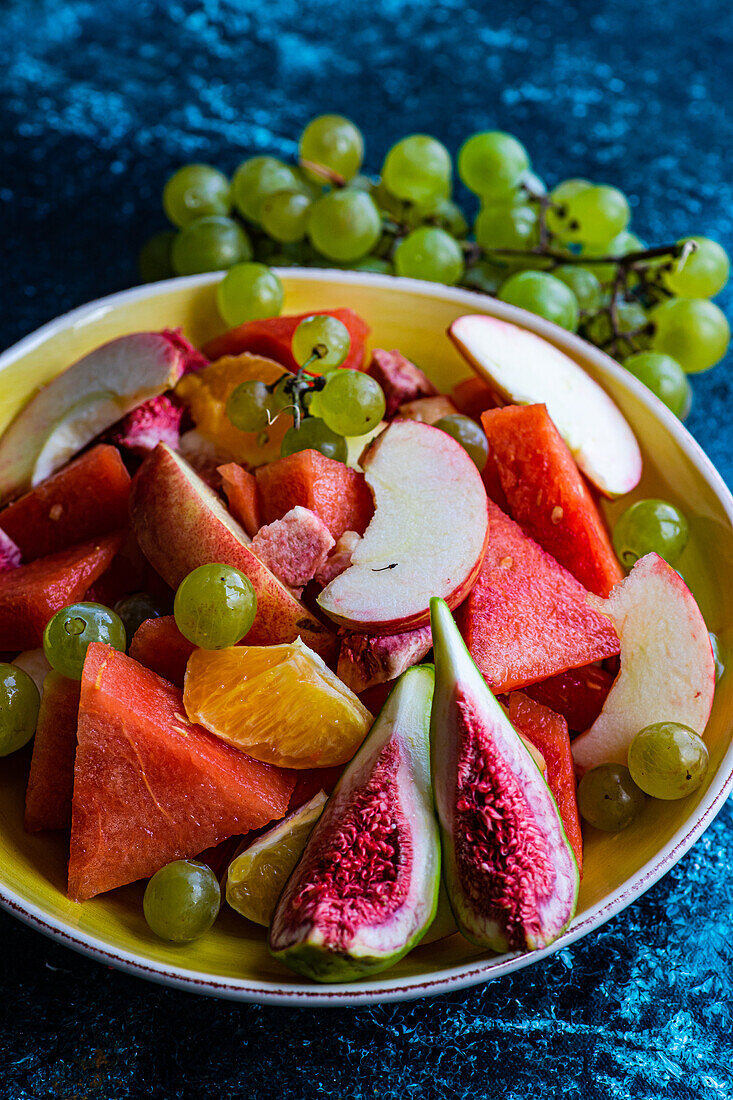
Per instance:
{"type": "Point", "coordinates": [102, 99]}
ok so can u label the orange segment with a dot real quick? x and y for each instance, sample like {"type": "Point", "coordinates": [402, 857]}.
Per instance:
{"type": "Point", "coordinates": [280, 704]}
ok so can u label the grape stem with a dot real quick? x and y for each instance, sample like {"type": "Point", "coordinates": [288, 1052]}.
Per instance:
{"type": "Point", "coordinates": [628, 260]}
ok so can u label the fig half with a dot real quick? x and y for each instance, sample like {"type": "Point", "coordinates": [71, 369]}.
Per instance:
{"type": "Point", "coordinates": [509, 869]}
{"type": "Point", "coordinates": [366, 887]}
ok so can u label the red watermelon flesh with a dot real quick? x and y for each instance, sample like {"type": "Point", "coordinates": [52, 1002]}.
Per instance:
{"type": "Point", "coordinates": [159, 645]}
{"type": "Point", "coordinates": [51, 779]}
{"type": "Point", "coordinates": [547, 495]}
{"type": "Point", "coordinates": [578, 694]}
{"type": "Point", "coordinates": [273, 336]}
{"type": "Point", "coordinates": [150, 786]}
{"type": "Point", "coordinates": [84, 500]}
{"type": "Point", "coordinates": [548, 732]}
{"type": "Point", "coordinates": [31, 594]}
{"type": "Point", "coordinates": [526, 618]}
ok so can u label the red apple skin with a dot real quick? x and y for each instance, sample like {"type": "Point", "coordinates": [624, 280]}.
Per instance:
{"type": "Point", "coordinates": [180, 523]}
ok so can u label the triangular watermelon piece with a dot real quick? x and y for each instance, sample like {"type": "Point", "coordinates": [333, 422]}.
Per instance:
{"type": "Point", "coordinates": [51, 779]}
{"type": "Point", "coordinates": [149, 786]}
{"type": "Point", "coordinates": [159, 645]}
{"type": "Point", "coordinates": [578, 694]}
{"type": "Point", "coordinates": [526, 618]}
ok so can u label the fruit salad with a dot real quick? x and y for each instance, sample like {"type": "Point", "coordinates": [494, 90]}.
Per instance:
{"type": "Point", "coordinates": [286, 628]}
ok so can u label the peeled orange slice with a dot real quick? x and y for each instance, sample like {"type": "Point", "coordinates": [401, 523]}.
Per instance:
{"type": "Point", "coordinates": [280, 704]}
{"type": "Point", "coordinates": [257, 876]}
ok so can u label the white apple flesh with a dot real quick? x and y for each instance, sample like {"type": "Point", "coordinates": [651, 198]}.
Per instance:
{"type": "Point", "coordinates": [427, 537]}
{"type": "Point", "coordinates": [667, 667]}
{"type": "Point", "coordinates": [527, 370]}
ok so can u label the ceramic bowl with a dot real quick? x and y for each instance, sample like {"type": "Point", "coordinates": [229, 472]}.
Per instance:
{"type": "Point", "coordinates": [232, 960]}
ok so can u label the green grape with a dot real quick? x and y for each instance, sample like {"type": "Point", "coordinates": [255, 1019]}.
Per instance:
{"type": "Point", "coordinates": [693, 331]}
{"type": "Point", "coordinates": [668, 760]}
{"type": "Point", "coordinates": [135, 609]}
{"type": "Point", "coordinates": [608, 798]}
{"type": "Point", "coordinates": [650, 527]}
{"type": "Point", "coordinates": [469, 434]}
{"type": "Point", "coordinates": [258, 177]}
{"type": "Point", "coordinates": [335, 143]}
{"type": "Point", "coordinates": [588, 214]}
{"type": "Point", "coordinates": [621, 245]}
{"type": "Point", "coordinates": [374, 264]}
{"type": "Point", "coordinates": [195, 191]}
{"type": "Point", "coordinates": [249, 292]}
{"type": "Point", "coordinates": [215, 606]}
{"type": "Point", "coordinates": [71, 631]}
{"type": "Point", "coordinates": [544, 295]}
{"type": "Point", "coordinates": [154, 260]}
{"type": "Point", "coordinates": [351, 402]}
{"type": "Point", "coordinates": [484, 277]}
{"type": "Point", "coordinates": [182, 900]}
{"type": "Point", "coordinates": [250, 406]}
{"type": "Point", "coordinates": [285, 215]}
{"type": "Point", "coordinates": [448, 216]}
{"type": "Point", "coordinates": [314, 435]}
{"type": "Point", "coordinates": [630, 319]}
{"type": "Point", "coordinates": [699, 274]}
{"type": "Point", "coordinates": [417, 169]}
{"type": "Point", "coordinates": [344, 225]}
{"type": "Point", "coordinates": [429, 253]}
{"type": "Point", "coordinates": [210, 244]}
{"type": "Point", "coordinates": [717, 655]}
{"type": "Point", "coordinates": [321, 336]}
{"type": "Point", "coordinates": [506, 225]}
{"type": "Point", "coordinates": [664, 377]}
{"type": "Point", "coordinates": [584, 285]}
{"type": "Point", "coordinates": [530, 184]}
{"type": "Point", "coordinates": [492, 164]}
{"type": "Point", "coordinates": [19, 703]}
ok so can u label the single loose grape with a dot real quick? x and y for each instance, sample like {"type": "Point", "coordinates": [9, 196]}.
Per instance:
{"type": "Point", "coordinates": [321, 336]}
{"type": "Point", "coordinates": [583, 283]}
{"type": "Point", "coordinates": [344, 225]}
{"type": "Point", "coordinates": [664, 377]}
{"type": "Point", "coordinates": [608, 798]}
{"type": "Point", "coordinates": [285, 214]}
{"type": "Point", "coordinates": [182, 900]}
{"type": "Point", "coordinates": [717, 655]}
{"type": "Point", "coordinates": [154, 260]}
{"type": "Point", "coordinates": [19, 703]}
{"type": "Point", "coordinates": [650, 527]}
{"type": "Point", "coordinates": [469, 434]}
{"type": "Point", "coordinates": [136, 609]}
{"type": "Point", "coordinates": [210, 244]}
{"type": "Point", "coordinates": [313, 434]}
{"type": "Point", "coordinates": [249, 292]}
{"type": "Point", "coordinates": [351, 402]}
{"type": "Point", "coordinates": [195, 191]}
{"type": "Point", "coordinates": [258, 177]}
{"type": "Point", "coordinates": [543, 294]}
{"type": "Point", "coordinates": [507, 225]}
{"type": "Point", "coordinates": [215, 606]}
{"type": "Point", "coordinates": [72, 630]}
{"type": "Point", "coordinates": [668, 760]}
{"type": "Point", "coordinates": [334, 142]}
{"type": "Point", "coordinates": [699, 274]}
{"type": "Point", "coordinates": [417, 169]}
{"type": "Point", "coordinates": [250, 406]}
{"type": "Point", "coordinates": [492, 163]}
{"type": "Point", "coordinates": [429, 253]}
{"type": "Point", "coordinates": [693, 331]}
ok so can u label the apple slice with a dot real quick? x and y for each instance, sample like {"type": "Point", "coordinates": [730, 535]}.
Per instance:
{"type": "Point", "coordinates": [428, 535]}
{"type": "Point", "coordinates": [527, 370]}
{"type": "Point", "coordinates": [84, 400]}
{"type": "Point", "coordinates": [180, 523]}
{"type": "Point", "coordinates": [667, 668]}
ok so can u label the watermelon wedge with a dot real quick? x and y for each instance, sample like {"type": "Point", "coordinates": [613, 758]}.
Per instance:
{"type": "Point", "coordinates": [159, 645]}
{"type": "Point", "coordinates": [272, 338]}
{"type": "Point", "coordinates": [547, 495]}
{"type": "Point", "coordinates": [578, 694]}
{"type": "Point", "coordinates": [526, 618]}
{"type": "Point", "coordinates": [149, 786]}
{"type": "Point", "coordinates": [548, 732]}
{"type": "Point", "coordinates": [51, 779]}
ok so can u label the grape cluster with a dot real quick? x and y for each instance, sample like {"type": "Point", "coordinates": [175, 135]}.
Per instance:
{"type": "Point", "coordinates": [566, 254]}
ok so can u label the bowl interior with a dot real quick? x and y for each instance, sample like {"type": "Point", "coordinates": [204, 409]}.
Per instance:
{"type": "Point", "coordinates": [413, 318]}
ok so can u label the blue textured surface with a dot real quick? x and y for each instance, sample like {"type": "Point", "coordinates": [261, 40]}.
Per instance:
{"type": "Point", "coordinates": [101, 101]}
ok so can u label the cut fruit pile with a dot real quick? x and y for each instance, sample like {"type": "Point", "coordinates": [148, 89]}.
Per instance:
{"type": "Point", "coordinates": [282, 571]}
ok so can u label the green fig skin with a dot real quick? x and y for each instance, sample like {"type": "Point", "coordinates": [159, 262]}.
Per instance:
{"type": "Point", "coordinates": [319, 938]}
{"type": "Point", "coordinates": [534, 860]}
